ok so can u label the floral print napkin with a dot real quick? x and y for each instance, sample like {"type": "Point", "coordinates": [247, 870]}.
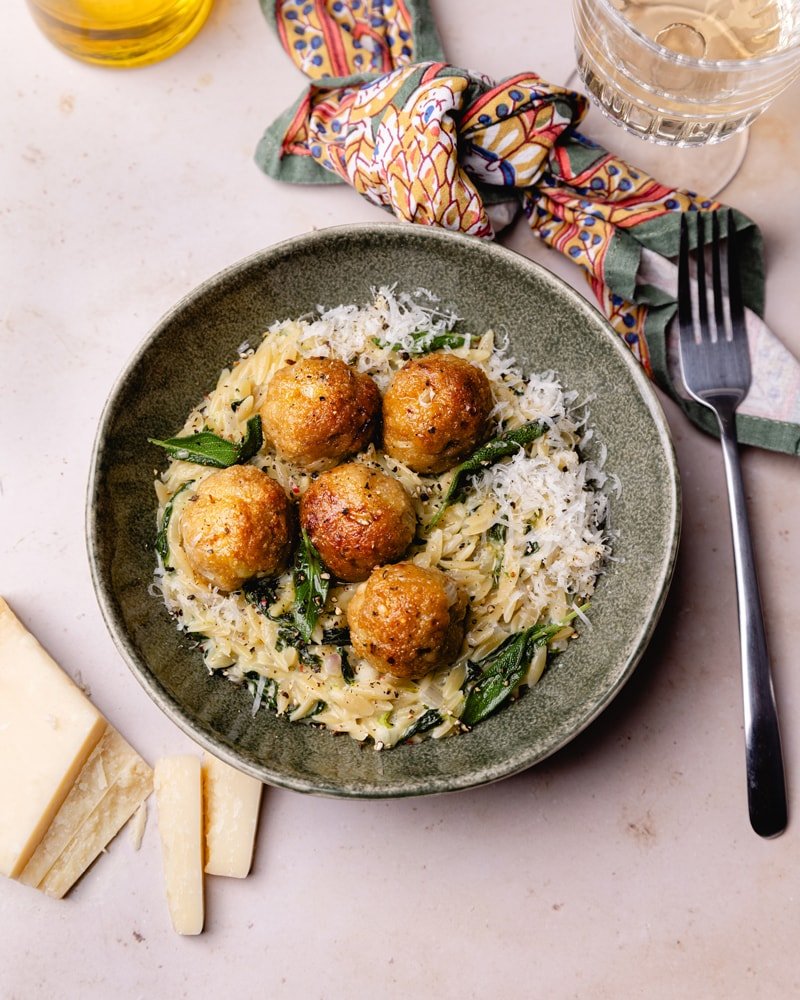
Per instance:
{"type": "Point", "coordinates": [439, 145]}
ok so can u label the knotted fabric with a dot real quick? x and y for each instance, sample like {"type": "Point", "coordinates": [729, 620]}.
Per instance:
{"type": "Point", "coordinates": [443, 146]}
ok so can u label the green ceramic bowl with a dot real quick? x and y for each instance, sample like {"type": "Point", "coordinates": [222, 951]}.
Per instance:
{"type": "Point", "coordinates": [550, 326]}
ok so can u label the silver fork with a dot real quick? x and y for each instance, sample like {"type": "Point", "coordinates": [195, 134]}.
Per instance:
{"type": "Point", "coordinates": [715, 364]}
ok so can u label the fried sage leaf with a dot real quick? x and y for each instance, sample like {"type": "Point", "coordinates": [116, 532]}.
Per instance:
{"type": "Point", "coordinates": [206, 448]}
{"type": "Point", "coordinates": [505, 444]}
{"type": "Point", "coordinates": [295, 627]}
{"type": "Point", "coordinates": [252, 441]}
{"type": "Point", "coordinates": [499, 678]}
{"type": "Point", "coordinates": [311, 583]}
{"type": "Point", "coordinates": [162, 540]}
{"type": "Point", "coordinates": [504, 669]}
{"type": "Point", "coordinates": [497, 536]}
{"type": "Point", "coordinates": [426, 341]}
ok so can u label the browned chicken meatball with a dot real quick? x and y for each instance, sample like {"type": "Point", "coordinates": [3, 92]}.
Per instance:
{"type": "Point", "coordinates": [358, 519]}
{"type": "Point", "coordinates": [406, 620]}
{"type": "Point", "coordinates": [239, 523]}
{"type": "Point", "coordinates": [435, 412]}
{"type": "Point", "coordinates": [320, 408]}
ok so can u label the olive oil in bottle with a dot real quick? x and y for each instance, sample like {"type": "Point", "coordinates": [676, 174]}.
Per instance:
{"type": "Point", "coordinates": [120, 32]}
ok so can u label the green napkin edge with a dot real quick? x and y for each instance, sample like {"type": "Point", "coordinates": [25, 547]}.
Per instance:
{"type": "Point", "coordinates": [663, 235]}
{"type": "Point", "coordinates": [760, 432]}
{"type": "Point", "coordinates": [290, 168]}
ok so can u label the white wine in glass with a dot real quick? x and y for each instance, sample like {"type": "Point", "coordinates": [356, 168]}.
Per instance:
{"type": "Point", "coordinates": [712, 29]}
{"type": "Point", "coordinates": [687, 73]}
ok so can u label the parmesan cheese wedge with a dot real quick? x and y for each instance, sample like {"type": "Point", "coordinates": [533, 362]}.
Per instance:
{"type": "Point", "coordinates": [112, 785]}
{"type": "Point", "coordinates": [232, 801]}
{"type": "Point", "coordinates": [48, 729]}
{"type": "Point", "coordinates": [180, 822]}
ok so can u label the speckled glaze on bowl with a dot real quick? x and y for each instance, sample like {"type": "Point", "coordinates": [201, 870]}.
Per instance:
{"type": "Point", "coordinates": [550, 326]}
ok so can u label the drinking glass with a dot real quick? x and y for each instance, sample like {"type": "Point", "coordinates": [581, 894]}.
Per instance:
{"type": "Point", "coordinates": [687, 74]}
{"type": "Point", "coordinates": [120, 32]}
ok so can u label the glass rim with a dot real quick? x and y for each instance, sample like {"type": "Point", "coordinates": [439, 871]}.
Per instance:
{"type": "Point", "coordinates": [771, 58]}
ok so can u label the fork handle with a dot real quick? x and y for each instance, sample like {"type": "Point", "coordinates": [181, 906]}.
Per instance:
{"type": "Point", "coordinates": [766, 789]}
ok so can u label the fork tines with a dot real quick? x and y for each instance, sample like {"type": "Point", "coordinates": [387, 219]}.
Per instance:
{"type": "Point", "coordinates": [725, 281]}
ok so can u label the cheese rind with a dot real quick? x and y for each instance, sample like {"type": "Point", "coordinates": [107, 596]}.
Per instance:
{"type": "Point", "coordinates": [113, 783]}
{"type": "Point", "coordinates": [232, 801]}
{"type": "Point", "coordinates": [179, 800]}
{"type": "Point", "coordinates": [101, 826]}
{"type": "Point", "coordinates": [48, 728]}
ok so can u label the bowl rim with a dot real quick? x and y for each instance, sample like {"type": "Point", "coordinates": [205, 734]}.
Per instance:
{"type": "Point", "coordinates": [431, 784]}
